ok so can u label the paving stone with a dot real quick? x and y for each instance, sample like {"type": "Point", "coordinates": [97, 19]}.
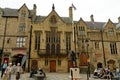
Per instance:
{"type": "Point", "coordinates": [53, 76]}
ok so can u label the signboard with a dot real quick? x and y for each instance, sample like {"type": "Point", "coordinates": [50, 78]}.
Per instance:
{"type": "Point", "coordinates": [74, 73]}
{"type": "Point", "coordinates": [23, 60]}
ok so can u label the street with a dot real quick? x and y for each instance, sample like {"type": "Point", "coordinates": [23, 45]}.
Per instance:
{"type": "Point", "coordinates": [53, 76]}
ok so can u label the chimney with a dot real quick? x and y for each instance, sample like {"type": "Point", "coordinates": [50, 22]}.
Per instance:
{"type": "Point", "coordinates": [34, 6]}
{"type": "Point", "coordinates": [92, 18]}
{"type": "Point", "coordinates": [118, 19]}
{"type": "Point", "coordinates": [70, 13]}
{"type": "Point", "coordinates": [34, 12]}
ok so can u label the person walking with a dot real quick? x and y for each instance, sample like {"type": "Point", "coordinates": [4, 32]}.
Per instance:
{"type": "Point", "coordinates": [8, 71]}
{"type": "Point", "coordinates": [3, 67]}
{"type": "Point", "coordinates": [14, 68]}
{"type": "Point", "coordinates": [19, 70]}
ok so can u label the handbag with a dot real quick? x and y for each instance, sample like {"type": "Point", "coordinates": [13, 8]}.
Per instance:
{"type": "Point", "coordinates": [4, 77]}
{"type": "Point", "coordinates": [17, 75]}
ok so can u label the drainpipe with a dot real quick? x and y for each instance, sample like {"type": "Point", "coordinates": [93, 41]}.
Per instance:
{"type": "Point", "coordinates": [30, 40]}
{"type": "Point", "coordinates": [103, 48]}
{"type": "Point", "coordinates": [4, 35]}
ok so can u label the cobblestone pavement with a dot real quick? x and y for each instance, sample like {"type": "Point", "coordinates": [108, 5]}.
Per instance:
{"type": "Point", "coordinates": [54, 76]}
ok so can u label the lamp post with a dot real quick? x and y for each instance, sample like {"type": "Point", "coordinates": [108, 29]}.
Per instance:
{"type": "Point", "coordinates": [88, 59]}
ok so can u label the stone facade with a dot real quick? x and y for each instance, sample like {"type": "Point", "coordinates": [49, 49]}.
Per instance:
{"type": "Point", "coordinates": [53, 38]}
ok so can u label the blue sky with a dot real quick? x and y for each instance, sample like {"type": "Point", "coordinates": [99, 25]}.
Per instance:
{"type": "Point", "coordinates": [101, 9]}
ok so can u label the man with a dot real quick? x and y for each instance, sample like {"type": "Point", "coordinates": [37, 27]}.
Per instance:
{"type": "Point", "coordinates": [19, 70]}
{"type": "Point", "coordinates": [3, 68]}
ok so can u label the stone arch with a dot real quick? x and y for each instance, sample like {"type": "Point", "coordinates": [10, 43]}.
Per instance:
{"type": "Point", "coordinates": [14, 54]}
{"type": "Point", "coordinates": [17, 58]}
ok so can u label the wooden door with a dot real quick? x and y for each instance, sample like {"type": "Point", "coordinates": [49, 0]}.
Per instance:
{"type": "Point", "coordinates": [83, 59]}
{"type": "Point", "coordinates": [34, 65]}
{"type": "Point", "coordinates": [52, 66]}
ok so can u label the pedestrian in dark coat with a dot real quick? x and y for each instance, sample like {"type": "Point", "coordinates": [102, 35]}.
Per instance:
{"type": "Point", "coordinates": [3, 67]}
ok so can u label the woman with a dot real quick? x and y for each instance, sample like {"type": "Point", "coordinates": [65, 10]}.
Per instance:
{"type": "Point", "coordinates": [8, 71]}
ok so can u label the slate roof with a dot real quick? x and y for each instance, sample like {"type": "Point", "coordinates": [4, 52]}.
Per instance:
{"type": "Point", "coordinates": [66, 19]}
{"type": "Point", "coordinates": [10, 12]}
{"type": "Point", "coordinates": [95, 25]}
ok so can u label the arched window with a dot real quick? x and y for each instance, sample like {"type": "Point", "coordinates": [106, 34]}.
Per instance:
{"type": "Point", "coordinates": [53, 48]}
{"type": "Point", "coordinates": [48, 49]}
{"type": "Point", "coordinates": [58, 49]}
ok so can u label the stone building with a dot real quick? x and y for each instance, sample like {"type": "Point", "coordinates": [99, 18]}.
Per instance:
{"type": "Point", "coordinates": [47, 41]}
{"type": "Point", "coordinates": [14, 33]}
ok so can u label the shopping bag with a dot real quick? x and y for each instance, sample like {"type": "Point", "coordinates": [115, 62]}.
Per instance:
{"type": "Point", "coordinates": [4, 77]}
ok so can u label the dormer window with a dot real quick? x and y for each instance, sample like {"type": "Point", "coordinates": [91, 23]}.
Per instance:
{"type": "Point", "coordinates": [110, 32]}
{"type": "Point", "coordinates": [53, 20]}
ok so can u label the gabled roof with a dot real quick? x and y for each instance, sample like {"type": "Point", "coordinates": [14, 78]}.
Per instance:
{"type": "Point", "coordinates": [23, 6]}
{"type": "Point", "coordinates": [53, 11]}
{"type": "Point", "coordinates": [8, 12]}
{"type": "Point", "coordinates": [64, 19]}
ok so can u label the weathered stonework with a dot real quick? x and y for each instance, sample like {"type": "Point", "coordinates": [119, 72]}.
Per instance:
{"type": "Point", "coordinates": [99, 34]}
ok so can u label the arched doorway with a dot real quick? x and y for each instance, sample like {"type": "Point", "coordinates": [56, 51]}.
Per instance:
{"type": "Point", "coordinates": [18, 59]}
{"type": "Point", "coordinates": [83, 59]}
{"type": "Point", "coordinates": [34, 65]}
{"type": "Point", "coordinates": [83, 63]}
{"type": "Point", "coordinates": [99, 65]}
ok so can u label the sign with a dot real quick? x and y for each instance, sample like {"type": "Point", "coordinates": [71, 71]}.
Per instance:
{"type": "Point", "coordinates": [23, 60]}
{"type": "Point", "coordinates": [74, 73]}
